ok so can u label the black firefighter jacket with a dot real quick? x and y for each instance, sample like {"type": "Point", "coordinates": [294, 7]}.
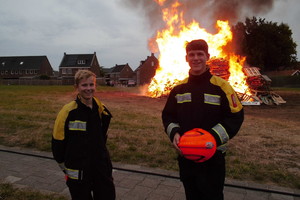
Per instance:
{"type": "Point", "coordinates": [206, 102]}
{"type": "Point", "coordinates": [79, 139]}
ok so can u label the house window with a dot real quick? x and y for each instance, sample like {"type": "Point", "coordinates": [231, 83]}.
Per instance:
{"type": "Point", "coordinates": [80, 62]}
{"type": "Point", "coordinates": [12, 72]}
{"type": "Point", "coordinates": [69, 71]}
{"type": "Point", "coordinates": [2, 72]}
{"type": "Point", "coordinates": [152, 63]}
{"type": "Point", "coordinates": [31, 71]}
{"type": "Point", "coordinates": [3, 63]}
{"type": "Point", "coordinates": [63, 71]}
{"type": "Point", "coordinates": [21, 63]}
{"type": "Point", "coordinates": [16, 72]}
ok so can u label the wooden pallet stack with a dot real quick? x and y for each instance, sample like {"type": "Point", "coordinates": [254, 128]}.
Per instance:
{"type": "Point", "coordinates": [259, 85]}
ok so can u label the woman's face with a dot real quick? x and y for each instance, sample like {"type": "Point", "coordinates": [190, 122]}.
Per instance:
{"type": "Point", "coordinates": [86, 88]}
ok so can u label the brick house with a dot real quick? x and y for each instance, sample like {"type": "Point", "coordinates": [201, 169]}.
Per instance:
{"type": "Point", "coordinates": [16, 67]}
{"type": "Point", "coordinates": [71, 63]}
{"type": "Point", "coordinates": [146, 71]}
{"type": "Point", "coordinates": [119, 75]}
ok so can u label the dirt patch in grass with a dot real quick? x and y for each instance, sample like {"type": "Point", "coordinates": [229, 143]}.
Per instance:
{"type": "Point", "coordinates": [269, 139]}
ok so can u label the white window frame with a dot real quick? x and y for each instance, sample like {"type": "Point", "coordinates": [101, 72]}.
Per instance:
{"type": "Point", "coordinates": [80, 62]}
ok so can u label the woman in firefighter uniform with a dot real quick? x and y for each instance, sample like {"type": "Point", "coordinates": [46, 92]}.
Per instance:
{"type": "Point", "coordinates": [207, 102]}
{"type": "Point", "coordinates": [79, 143]}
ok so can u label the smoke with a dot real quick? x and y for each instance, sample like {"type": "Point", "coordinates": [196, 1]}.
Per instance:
{"type": "Point", "coordinates": [233, 10]}
{"type": "Point", "coordinates": [206, 12]}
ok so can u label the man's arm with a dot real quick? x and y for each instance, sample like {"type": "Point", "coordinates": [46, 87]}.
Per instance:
{"type": "Point", "coordinates": [233, 117]}
{"type": "Point", "coordinates": [169, 117]}
{"type": "Point", "coordinates": [58, 138]}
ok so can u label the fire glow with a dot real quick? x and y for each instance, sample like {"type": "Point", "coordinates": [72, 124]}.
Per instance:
{"type": "Point", "coordinates": [171, 44]}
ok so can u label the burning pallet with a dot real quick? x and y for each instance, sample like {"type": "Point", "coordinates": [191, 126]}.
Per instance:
{"type": "Point", "coordinates": [259, 86]}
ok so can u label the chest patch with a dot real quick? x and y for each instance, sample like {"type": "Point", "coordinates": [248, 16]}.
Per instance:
{"type": "Point", "coordinates": [212, 99]}
{"type": "Point", "coordinates": [77, 125]}
{"type": "Point", "coordinates": [183, 98]}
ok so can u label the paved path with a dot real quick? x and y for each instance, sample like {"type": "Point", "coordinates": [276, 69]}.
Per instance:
{"type": "Point", "coordinates": [41, 173]}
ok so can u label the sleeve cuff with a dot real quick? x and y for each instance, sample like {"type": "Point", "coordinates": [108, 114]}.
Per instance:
{"type": "Point", "coordinates": [216, 136]}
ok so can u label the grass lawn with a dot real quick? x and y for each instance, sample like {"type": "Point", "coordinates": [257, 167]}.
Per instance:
{"type": "Point", "coordinates": [8, 192]}
{"type": "Point", "coordinates": [266, 150]}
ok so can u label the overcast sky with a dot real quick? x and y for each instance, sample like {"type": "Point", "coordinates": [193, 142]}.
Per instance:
{"type": "Point", "coordinates": [117, 33]}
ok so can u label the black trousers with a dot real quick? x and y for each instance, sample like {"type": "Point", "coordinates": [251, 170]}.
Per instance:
{"type": "Point", "coordinates": [204, 181]}
{"type": "Point", "coordinates": [99, 188]}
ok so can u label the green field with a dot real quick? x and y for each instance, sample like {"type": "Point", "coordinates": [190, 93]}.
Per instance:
{"type": "Point", "coordinates": [266, 150]}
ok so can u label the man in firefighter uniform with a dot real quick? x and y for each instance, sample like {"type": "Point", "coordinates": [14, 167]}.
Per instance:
{"type": "Point", "coordinates": [79, 143]}
{"type": "Point", "coordinates": [207, 102]}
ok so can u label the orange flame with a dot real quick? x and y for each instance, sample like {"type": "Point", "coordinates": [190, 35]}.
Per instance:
{"type": "Point", "coordinates": [171, 44]}
{"type": "Point", "coordinates": [237, 77]}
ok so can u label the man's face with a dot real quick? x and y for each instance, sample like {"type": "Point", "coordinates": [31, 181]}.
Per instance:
{"type": "Point", "coordinates": [86, 88]}
{"type": "Point", "coordinates": [197, 61]}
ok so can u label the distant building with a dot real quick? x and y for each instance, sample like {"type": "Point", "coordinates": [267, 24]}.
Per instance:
{"type": "Point", "coordinates": [119, 75]}
{"type": "Point", "coordinates": [71, 63]}
{"type": "Point", "coordinates": [16, 67]}
{"type": "Point", "coordinates": [146, 71]}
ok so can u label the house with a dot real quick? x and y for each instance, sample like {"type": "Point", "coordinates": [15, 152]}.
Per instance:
{"type": "Point", "coordinates": [16, 67]}
{"type": "Point", "coordinates": [146, 71]}
{"type": "Point", "coordinates": [119, 75]}
{"type": "Point", "coordinates": [296, 73]}
{"type": "Point", "coordinates": [71, 63]}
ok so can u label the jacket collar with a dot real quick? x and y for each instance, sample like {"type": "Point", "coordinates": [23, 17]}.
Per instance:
{"type": "Point", "coordinates": [199, 78]}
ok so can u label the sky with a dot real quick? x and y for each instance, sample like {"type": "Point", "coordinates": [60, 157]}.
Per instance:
{"type": "Point", "coordinates": [117, 31]}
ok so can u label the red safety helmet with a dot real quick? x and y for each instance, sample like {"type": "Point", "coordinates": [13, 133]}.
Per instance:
{"type": "Point", "coordinates": [197, 145]}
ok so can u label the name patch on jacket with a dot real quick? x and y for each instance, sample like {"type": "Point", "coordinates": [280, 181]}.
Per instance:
{"type": "Point", "coordinates": [212, 99]}
{"type": "Point", "coordinates": [183, 98]}
{"type": "Point", "coordinates": [77, 125]}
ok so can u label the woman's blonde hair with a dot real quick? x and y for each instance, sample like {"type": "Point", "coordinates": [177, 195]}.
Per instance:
{"type": "Point", "coordinates": [83, 74]}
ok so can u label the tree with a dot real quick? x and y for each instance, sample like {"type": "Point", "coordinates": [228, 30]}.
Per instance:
{"type": "Point", "coordinates": [265, 44]}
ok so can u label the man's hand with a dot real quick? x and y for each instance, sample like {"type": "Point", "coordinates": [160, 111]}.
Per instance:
{"type": "Point", "coordinates": [62, 166]}
{"type": "Point", "coordinates": [176, 141]}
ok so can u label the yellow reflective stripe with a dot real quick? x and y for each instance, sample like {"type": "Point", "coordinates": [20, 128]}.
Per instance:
{"type": "Point", "coordinates": [183, 98]}
{"type": "Point", "coordinates": [222, 133]}
{"type": "Point", "coordinates": [170, 128]}
{"type": "Point", "coordinates": [77, 125]}
{"type": "Point", "coordinates": [212, 99]}
{"type": "Point", "coordinates": [72, 173]}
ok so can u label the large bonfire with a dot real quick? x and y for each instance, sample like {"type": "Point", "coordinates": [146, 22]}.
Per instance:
{"type": "Point", "coordinates": [171, 44]}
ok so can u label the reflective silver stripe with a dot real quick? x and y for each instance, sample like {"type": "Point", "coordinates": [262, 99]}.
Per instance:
{"type": "Point", "coordinates": [73, 173]}
{"type": "Point", "coordinates": [170, 128]}
{"type": "Point", "coordinates": [212, 99]}
{"type": "Point", "coordinates": [222, 148]}
{"type": "Point", "coordinates": [183, 98]}
{"type": "Point", "coordinates": [77, 125]}
{"type": "Point", "coordinates": [221, 131]}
